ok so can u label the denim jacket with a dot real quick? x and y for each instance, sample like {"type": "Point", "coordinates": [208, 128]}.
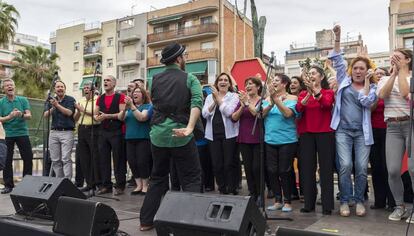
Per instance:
{"type": "Point", "coordinates": [366, 100]}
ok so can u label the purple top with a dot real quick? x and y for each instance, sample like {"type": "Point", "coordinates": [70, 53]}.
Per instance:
{"type": "Point", "coordinates": [246, 123]}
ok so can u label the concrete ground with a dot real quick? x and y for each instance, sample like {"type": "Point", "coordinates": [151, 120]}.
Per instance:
{"type": "Point", "coordinates": [374, 223]}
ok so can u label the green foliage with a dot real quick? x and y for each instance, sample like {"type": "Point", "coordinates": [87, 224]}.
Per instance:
{"type": "Point", "coordinates": [8, 22]}
{"type": "Point", "coordinates": [33, 71]}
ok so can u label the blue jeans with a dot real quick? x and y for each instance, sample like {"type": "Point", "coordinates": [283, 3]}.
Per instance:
{"type": "Point", "coordinates": [345, 141]}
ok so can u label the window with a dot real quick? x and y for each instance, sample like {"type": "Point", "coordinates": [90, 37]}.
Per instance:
{"type": "Point", "coordinates": [75, 86]}
{"type": "Point", "coordinates": [158, 29]}
{"type": "Point", "coordinates": [125, 24]}
{"type": "Point", "coordinates": [206, 20]}
{"type": "Point", "coordinates": [110, 41]}
{"type": "Point", "coordinates": [157, 53]}
{"type": "Point", "coordinates": [75, 66]}
{"type": "Point", "coordinates": [207, 45]}
{"type": "Point", "coordinates": [128, 74]}
{"type": "Point", "coordinates": [408, 43]}
{"type": "Point", "coordinates": [76, 46]}
{"type": "Point", "coordinates": [53, 47]}
{"type": "Point", "coordinates": [109, 63]}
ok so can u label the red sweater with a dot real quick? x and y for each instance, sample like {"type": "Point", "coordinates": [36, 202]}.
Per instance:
{"type": "Point", "coordinates": [316, 114]}
{"type": "Point", "coordinates": [377, 116]}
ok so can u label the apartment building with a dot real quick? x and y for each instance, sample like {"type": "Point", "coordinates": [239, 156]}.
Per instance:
{"type": "Point", "coordinates": [131, 44]}
{"type": "Point", "coordinates": [351, 46]}
{"type": "Point", "coordinates": [401, 24]}
{"type": "Point", "coordinates": [8, 52]}
{"type": "Point", "coordinates": [81, 47]}
{"type": "Point", "coordinates": [214, 35]}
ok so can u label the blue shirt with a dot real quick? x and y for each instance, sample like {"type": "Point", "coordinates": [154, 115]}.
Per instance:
{"type": "Point", "coordinates": [61, 121]}
{"type": "Point", "coordinates": [351, 120]}
{"type": "Point", "coordinates": [365, 100]}
{"type": "Point", "coordinates": [278, 129]}
{"type": "Point", "coordinates": [136, 129]}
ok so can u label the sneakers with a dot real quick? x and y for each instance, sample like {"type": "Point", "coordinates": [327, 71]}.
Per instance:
{"type": "Point", "coordinates": [398, 213]}
{"type": "Point", "coordinates": [287, 208]}
{"type": "Point", "coordinates": [344, 210]}
{"type": "Point", "coordinates": [360, 209]}
{"type": "Point", "coordinates": [275, 207]}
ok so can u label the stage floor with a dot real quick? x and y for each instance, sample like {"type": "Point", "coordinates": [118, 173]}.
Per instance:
{"type": "Point", "coordinates": [374, 223]}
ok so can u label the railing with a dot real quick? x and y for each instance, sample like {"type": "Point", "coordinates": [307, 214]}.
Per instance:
{"type": "Point", "coordinates": [184, 32]}
{"type": "Point", "coordinates": [91, 50]}
{"type": "Point", "coordinates": [191, 56]}
{"type": "Point", "coordinates": [127, 34]}
{"type": "Point", "coordinates": [128, 57]}
{"type": "Point", "coordinates": [405, 19]}
{"type": "Point", "coordinates": [93, 25]}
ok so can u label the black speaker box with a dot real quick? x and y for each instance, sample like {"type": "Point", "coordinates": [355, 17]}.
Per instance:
{"type": "Point", "coordinates": [38, 195]}
{"type": "Point", "coordinates": [13, 228]}
{"type": "Point", "coordinates": [281, 231]}
{"type": "Point", "coordinates": [208, 215]}
{"type": "Point", "coordinates": [77, 217]}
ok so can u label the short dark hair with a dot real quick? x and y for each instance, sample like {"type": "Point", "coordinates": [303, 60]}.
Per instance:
{"type": "Point", "coordinates": [60, 81]}
{"type": "Point", "coordinates": [324, 80]}
{"type": "Point", "coordinates": [145, 97]}
{"type": "Point", "coordinates": [255, 81]}
{"type": "Point", "coordinates": [231, 89]}
{"type": "Point", "coordinates": [285, 80]}
{"type": "Point", "coordinates": [408, 55]}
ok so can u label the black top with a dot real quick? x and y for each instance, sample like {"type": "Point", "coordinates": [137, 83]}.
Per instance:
{"type": "Point", "coordinates": [218, 125]}
{"type": "Point", "coordinates": [111, 124]}
{"type": "Point", "coordinates": [59, 120]}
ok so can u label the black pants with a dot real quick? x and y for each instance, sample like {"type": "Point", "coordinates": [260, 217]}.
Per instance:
{"type": "Point", "coordinates": [321, 147]}
{"type": "Point", "coordinates": [111, 145]}
{"type": "Point", "coordinates": [139, 157]}
{"type": "Point", "coordinates": [279, 164]}
{"type": "Point", "coordinates": [188, 171]}
{"type": "Point", "coordinates": [89, 154]}
{"type": "Point", "coordinates": [251, 161]}
{"type": "Point", "coordinates": [25, 148]}
{"type": "Point", "coordinates": [379, 172]}
{"type": "Point", "coordinates": [224, 164]}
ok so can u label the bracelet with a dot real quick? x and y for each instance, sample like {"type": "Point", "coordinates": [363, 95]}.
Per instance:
{"type": "Point", "coordinates": [22, 115]}
{"type": "Point", "coordinates": [317, 95]}
{"type": "Point", "coordinates": [133, 110]}
{"type": "Point", "coordinates": [337, 41]}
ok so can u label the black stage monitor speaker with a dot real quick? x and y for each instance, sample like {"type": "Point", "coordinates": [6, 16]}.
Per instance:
{"type": "Point", "coordinates": [77, 217]}
{"type": "Point", "coordinates": [281, 231]}
{"type": "Point", "coordinates": [198, 214]}
{"type": "Point", "coordinates": [38, 195]}
{"type": "Point", "coordinates": [13, 228]}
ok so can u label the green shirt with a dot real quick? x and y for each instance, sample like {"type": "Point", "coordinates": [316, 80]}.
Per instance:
{"type": "Point", "coordinates": [17, 126]}
{"type": "Point", "coordinates": [161, 134]}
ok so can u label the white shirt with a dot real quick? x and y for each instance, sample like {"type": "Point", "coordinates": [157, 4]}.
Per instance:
{"type": "Point", "coordinates": [226, 108]}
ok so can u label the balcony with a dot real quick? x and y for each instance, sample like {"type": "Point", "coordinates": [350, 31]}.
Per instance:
{"type": "Point", "coordinates": [128, 35]}
{"type": "Point", "coordinates": [192, 32]}
{"type": "Point", "coordinates": [92, 30]}
{"type": "Point", "coordinates": [89, 71]}
{"type": "Point", "coordinates": [92, 52]}
{"type": "Point", "coordinates": [405, 19]}
{"type": "Point", "coordinates": [129, 60]}
{"type": "Point", "coordinates": [196, 55]}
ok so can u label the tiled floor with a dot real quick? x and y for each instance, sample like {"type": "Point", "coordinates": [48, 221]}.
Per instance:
{"type": "Point", "coordinates": [374, 223]}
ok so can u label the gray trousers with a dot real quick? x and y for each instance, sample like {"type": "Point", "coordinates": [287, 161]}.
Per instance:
{"type": "Point", "coordinates": [395, 146]}
{"type": "Point", "coordinates": [60, 148]}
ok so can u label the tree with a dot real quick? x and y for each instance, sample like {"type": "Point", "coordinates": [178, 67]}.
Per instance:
{"type": "Point", "coordinates": [34, 68]}
{"type": "Point", "coordinates": [8, 22]}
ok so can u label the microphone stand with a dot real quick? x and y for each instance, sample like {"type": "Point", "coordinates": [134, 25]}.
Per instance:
{"type": "Point", "coordinates": [411, 108]}
{"type": "Point", "coordinates": [260, 118]}
{"type": "Point", "coordinates": [45, 148]}
{"type": "Point", "coordinates": [93, 155]}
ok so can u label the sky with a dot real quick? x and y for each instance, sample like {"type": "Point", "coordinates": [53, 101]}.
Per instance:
{"type": "Point", "coordinates": [292, 21]}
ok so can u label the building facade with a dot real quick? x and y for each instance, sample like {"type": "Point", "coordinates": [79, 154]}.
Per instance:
{"type": "Point", "coordinates": [351, 46]}
{"type": "Point", "coordinates": [381, 59]}
{"type": "Point", "coordinates": [401, 24]}
{"type": "Point", "coordinates": [214, 35]}
{"type": "Point", "coordinates": [81, 47]}
{"type": "Point", "coordinates": [8, 52]}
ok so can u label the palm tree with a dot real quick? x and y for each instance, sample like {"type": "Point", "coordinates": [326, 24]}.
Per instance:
{"type": "Point", "coordinates": [33, 70]}
{"type": "Point", "coordinates": [8, 22]}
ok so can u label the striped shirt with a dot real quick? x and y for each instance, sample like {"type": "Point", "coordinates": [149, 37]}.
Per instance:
{"type": "Point", "coordinates": [395, 105]}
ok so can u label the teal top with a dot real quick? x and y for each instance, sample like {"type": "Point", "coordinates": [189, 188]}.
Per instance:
{"type": "Point", "coordinates": [278, 129]}
{"type": "Point", "coordinates": [162, 134]}
{"type": "Point", "coordinates": [17, 126]}
{"type": "Point", "coordinates": [136, 129]}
